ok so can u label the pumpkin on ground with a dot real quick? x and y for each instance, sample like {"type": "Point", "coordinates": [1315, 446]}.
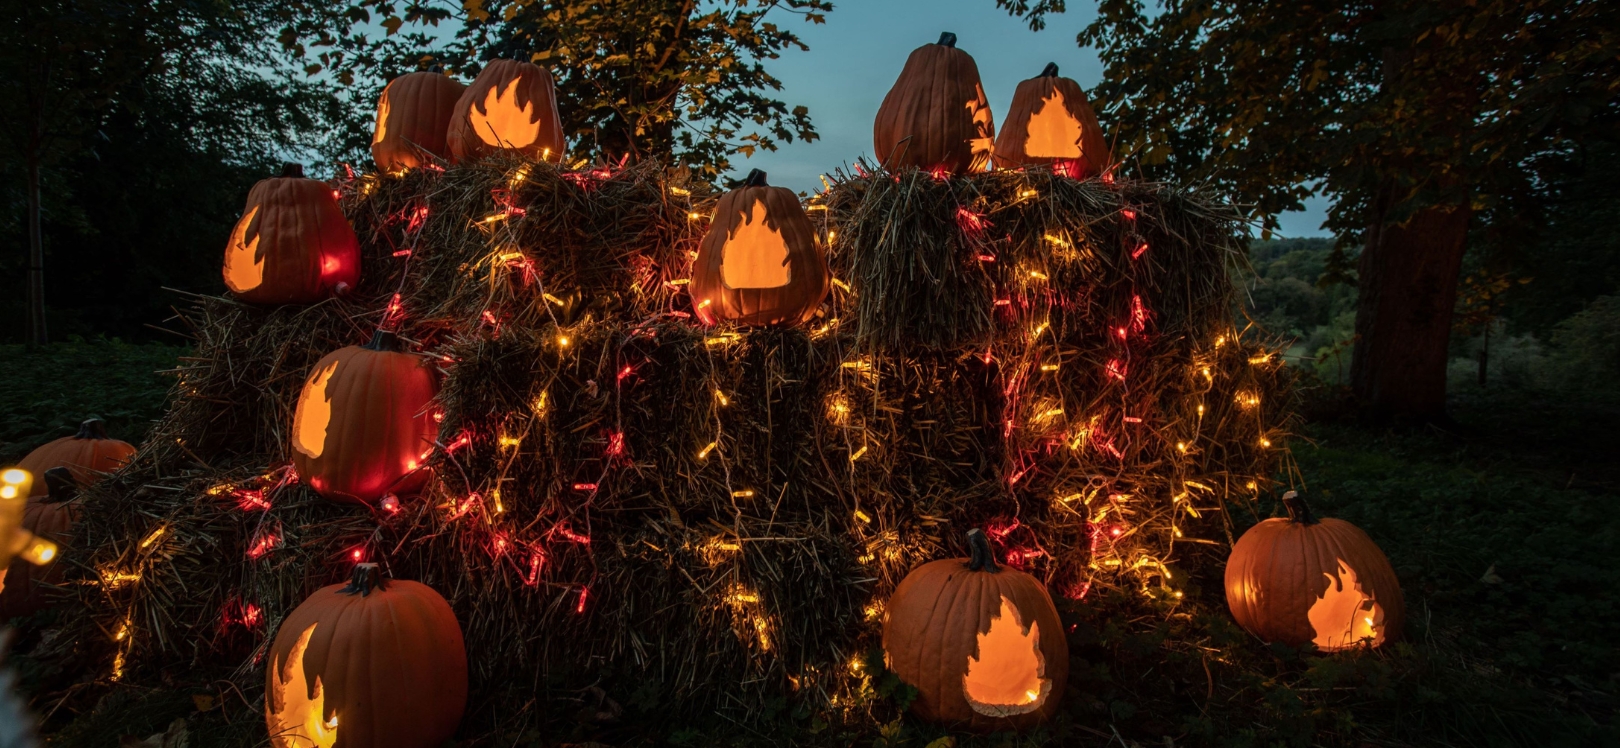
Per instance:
{"type": "Point", "coordinates": [1050, 122]}
{"type": "Point", "coordinates": [936, 117]}
{"type": "Point", "coordinates": [759, 264]}
{"type": "Point", "coordinates": [982, 644]}
{"type": "Point", "coordinates": [510, 106]}
{"type": "Point", "coordinates": [372, 664]}
{"type": "Point", "coordinates": [1301, 579]}
{"type": "Point", "coordinates": [292, 245]}
{"type": "Point", "coordinates": [50, 517]}
{"type": "Point", "coordinates": [88, 454]}
{"type": "Point", "coordinates": [362, 426]}
{"type": "Point", "coordinates": [413, 117]}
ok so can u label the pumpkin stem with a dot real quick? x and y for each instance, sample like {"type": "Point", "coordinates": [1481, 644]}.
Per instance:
{"type": "Point", "coordinates": [1298, 510]}
{"type": "Point", "coordinates": [983, 559]}
{"type": "Point", "coordinates": [1050, 71]}
{"type": "Point", "coordinates": [947, 39]}
{"type": "Point", "coordinates": [755, 178]}
{"type": "Point", "coordinates": [386, 341]}
{"type": "Point", "coordinates": [295, 171]}
{"type": "Point", "coordinates": [59, 485]}
{"type": "Point", "coordinates": [92, 428]}
{"type": "Point", "coordinates": [366, 577]}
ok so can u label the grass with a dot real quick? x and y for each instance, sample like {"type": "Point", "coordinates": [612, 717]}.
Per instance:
{"type": "Point", "coordinates": [1502, 531]}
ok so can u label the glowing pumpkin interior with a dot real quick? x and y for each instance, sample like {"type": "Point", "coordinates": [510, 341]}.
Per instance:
{"type": "Point", "coordinates": [985, 130]}
{"type": "Point", "coordinates": [314, 413]}
{"type": "Point", "coordinates": [244, 268]}
{"type": "Point", "coordinates": [300, 721]}
{"type": "Point", "coordinates": [382, 118]}
{"type": "Point", "coordinates": [1005, 678]}
{"type": "Point", "coordinates": [1344, 615]}
{"type": "Point", "coordinates": [755, 256]}
{"type": "Point", "coordinates": [1053, 132]}
{"type": "Point", "coordinates": [502, 122]}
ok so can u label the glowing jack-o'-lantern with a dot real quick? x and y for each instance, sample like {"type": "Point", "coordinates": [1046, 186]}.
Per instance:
{"type": "Point", "coordinates": [292, 245]}
{"type": "Point", "coordinates": [49, 517]}
{"type": "Point", "coordinates": [759, 264]}
{"type": "Point", "coordinates": [936, 116]}
{"type": "Point", "coordinates": [1300, 579]}
{"type": "Point", "coordinates": [510, 106]}
{"type": "Point", "coordinates": [982, 644]}
{"type": "Point", "coordinates": [374, 664]}
{"type": "Point", "coordinates": [1049, 122]}
{"type": "Point", "coordinates": [361, 428]}
{"type": "Point", "coordinates": [87, 454]}
{"type": "Point", "coordinates": [413, 117]}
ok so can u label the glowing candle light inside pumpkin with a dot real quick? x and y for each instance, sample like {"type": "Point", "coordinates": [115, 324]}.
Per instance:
{"type": "Point", "coordinates": [300, 721]}
{"type": "Point", "coordinates": [1005, 678]}
{"type": "Point", "coordinates": [244, 267]}
{"type": "Point", "coordinates": [1053, 132]}
{"type": "Point", "coordinates": [382, 118]}
{"type": "Point", "coordinates": [503, 122]}
{"type": "Point", "coordinates": [314, 413]}
{"type": "Point", "coordinates": [755, 255]}
{"type": "Point", "coordinates": [1344, 615]}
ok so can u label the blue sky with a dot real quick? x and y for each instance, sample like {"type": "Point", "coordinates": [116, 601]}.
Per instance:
{"type": "Point", "coordinates": [857, 54]}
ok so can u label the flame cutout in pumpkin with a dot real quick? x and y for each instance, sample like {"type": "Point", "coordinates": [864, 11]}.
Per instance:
{"type": "Point", "coordinates": [755, 256]}
{"type": "Point", "coordinates": [244, 268]}
{"type": "Point", "coordinates": [1344, 616]}
{"type": "Point", "coordinates": [984, 126]}
{"type": "Point", "coordinates": [1006, 676]}
{"type": "Point", "coordinates": [314, 413]}
{"type": "Point", "coordinates": [503, 123]}
{"type": "Point", "coordinates": [1053, 132]}
{"type": "Point", "coordinates": [300, 722]}
{"type": "Point", "coordinates": [382, 118]}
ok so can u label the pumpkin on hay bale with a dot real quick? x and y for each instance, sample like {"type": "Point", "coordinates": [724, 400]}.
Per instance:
{"type": "Point", "coordinates": [413, 120]}
{"type": "Point", "coordinates": [706, 512]}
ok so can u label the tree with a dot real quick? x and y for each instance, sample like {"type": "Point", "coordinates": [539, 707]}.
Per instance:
{"type": "Point", "coordinates": [1419, 118]}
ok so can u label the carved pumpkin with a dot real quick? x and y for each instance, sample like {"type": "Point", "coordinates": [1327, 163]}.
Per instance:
{"type": "Point", "coordinates": [413, 117]}
{"type": "Point", "coordinates": [1050, 121]}
{"type": "Point", "coordinates": [292, 245]}
{"type": "Point", "coordinates": [982, 644]}
{"type": "Point", "coordinates": [1301, 580]}
{"type": "Point", "coordinates": [87, 454]}
{"type": "Point", "coordinates": [50, 517]}
{"type": "Point", "coordinates": [936, 116]}
{"type": "Point", "coordinates": [510, 106]}
{"type": "Point", "coordinates": [759, 263]}
{"type": "Point", "coordinates": [370, 664]}
{"type": "Point", "coordinates": [361, 428]}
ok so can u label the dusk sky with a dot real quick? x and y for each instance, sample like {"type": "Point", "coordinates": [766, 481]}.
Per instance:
{"type": "Point", "coordinates": [857, 54]}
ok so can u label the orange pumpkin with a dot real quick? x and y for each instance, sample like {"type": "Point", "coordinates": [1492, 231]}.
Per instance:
{"type": "Point", "coordinates": [50, 517]}
{"type": "Point", "coordinates": [362, 425]}
{"type": "Point", "coordinates": [292, 245]}
{"type": "Point", "coordinates": [936, 116]}
{"type": "Point", "coordinates": [88, 453]}
{"type": "Point", "coordinates": [510, 106]}
{"type": "Point", "coordinates": [1300, 580]}
{"type": "Point", "coordinates": [1050, 121]}
{"type": "Point", "coordinates": [370, 664]}
{"type": "Point", "coordinates": [982, 644]}
{"type": "Point", "coordinates": [759, 264]}
{"type": "Point", "coordinates": [413, 117]}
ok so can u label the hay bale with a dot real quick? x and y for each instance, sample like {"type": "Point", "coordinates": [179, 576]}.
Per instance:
{"type": "Point", "coordinates": [716, 512]}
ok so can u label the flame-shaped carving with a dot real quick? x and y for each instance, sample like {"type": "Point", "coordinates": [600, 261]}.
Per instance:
{"type": "Point", "coordinates": [1053, 132]}
{"type": "Point", "coordinates": [1006, 677]}
{"type": "Point", "coordinates": [503, 123]}
{"type": "Point", "coordinates": [382, 118]}
{"type": "Point", "coordinates": [1344, 615]}
{"type": "Point", "coordinates": [244, 268]}
{"type": "Point", "coordinates": [755, 256]}
{"type": "Point", "coordinates": [984, 126]}
{"type": "Point", "coordinates": [297, 718]}
{"type": "Point", "coordinates": [314, 412]}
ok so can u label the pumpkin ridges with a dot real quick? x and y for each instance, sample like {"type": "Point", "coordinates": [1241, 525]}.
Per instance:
{"type": "Point", "coordinates": [298, 225]}
{"type": "Point", "coordinates": [420, 108]}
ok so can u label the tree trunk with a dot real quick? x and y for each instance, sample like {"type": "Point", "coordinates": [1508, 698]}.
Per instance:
{"type": "Point", "coordinates": [1408, 288]}
{"type": "Point", "coordinates": [36, 258]}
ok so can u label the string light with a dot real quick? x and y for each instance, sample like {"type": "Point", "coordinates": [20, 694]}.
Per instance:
{"type": "Point", "coordinates": [720, 397]}
{"type": "Point", "coordinates": [703, 454]}
{"type": "Point", "coordinates": [747, 493]}
{"type": "Point", "coordinates": [858, 454]}
{"type": "Point", "coordinates": [153, 537]}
